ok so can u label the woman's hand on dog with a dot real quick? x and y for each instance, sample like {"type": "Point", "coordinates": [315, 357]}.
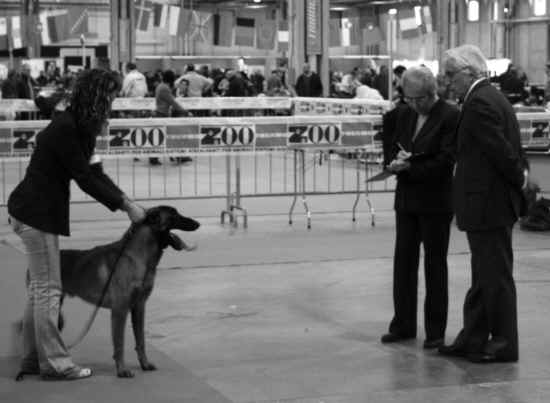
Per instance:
{"type": "Point", "coordinates": [135, 212]}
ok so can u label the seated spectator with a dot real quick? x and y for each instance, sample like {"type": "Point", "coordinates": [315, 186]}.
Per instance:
{"type": "Point", "coordinates": [366, 92]}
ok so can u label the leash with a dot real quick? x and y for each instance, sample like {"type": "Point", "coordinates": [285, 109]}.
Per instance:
{"type": "Point", "coordinates": [92, 317]}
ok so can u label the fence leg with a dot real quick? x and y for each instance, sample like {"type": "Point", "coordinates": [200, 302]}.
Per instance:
{"type": "Point", "coordinates": [303, 185]}
{"type": "Point", "coordinates": [229, 196]}
{"type": "Point", "coordinates": [295, 187]}
{"type": "Point", "coordinates": [237, 196]}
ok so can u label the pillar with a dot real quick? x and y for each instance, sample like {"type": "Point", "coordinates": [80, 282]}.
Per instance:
{"type": "Point", "coordinates": [123, 33]}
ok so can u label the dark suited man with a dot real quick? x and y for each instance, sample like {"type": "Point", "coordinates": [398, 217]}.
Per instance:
{"type": "Point", "coordinates": [490, 173]}
{"type": "Point", "coordinates": [422, 158]}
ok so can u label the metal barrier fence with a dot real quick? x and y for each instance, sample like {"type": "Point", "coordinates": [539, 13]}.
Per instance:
{"type": "Point", "coordinates": [233, 158]}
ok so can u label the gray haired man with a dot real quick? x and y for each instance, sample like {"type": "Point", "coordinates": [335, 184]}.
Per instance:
{"type": "Point", "coordinates": [489, 176]}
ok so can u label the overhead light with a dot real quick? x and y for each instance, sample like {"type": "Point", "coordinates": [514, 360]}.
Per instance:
{"type": "Point", "coordinates": [392, 11]}
{"type": "Point", "coordinates": [338, 8]}
{"type": "Point", "coordinates": [257, 1]}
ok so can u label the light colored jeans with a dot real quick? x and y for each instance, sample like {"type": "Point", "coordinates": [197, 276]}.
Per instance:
{"type": "Point", "coordinates": [42, 342]}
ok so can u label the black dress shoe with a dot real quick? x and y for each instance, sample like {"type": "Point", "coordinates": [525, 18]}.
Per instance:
{"type": "Point", "coordinates": [488, 358]}
{"type": "Point", "coordinates": [394, 337]}
{"type": "Point", "coordinates": [433, 343]}
{"type": "Point", "coordinates": [451, 351]}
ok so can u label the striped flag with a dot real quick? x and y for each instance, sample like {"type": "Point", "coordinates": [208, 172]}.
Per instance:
{"type": "Point", "coordinates": [223, 28]}
{"type": "Point", "coordinates": [283, 36]}
{"type": "Point", "coordinates": [160, 15]}
{"type": "Point", "coordinates": [244, 31]}
{"type": "Point", "coordinates": [4, 33]}
{"type": "Point", "coordinates": [142, 12]}
{"type": "Point", "coordinates": [173, 21]}
{"type": "Point", "coordinates": [16, 32]}
{"type": "Point", "coordinates": [58, 26]}
{"type": "Point", "coordinates": [426, 20]}
{"type": "Point", "coordinates": [407, 23]}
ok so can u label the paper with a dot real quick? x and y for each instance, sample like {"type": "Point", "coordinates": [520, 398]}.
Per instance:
{"type": "Point", "coordinates": [385, 174]}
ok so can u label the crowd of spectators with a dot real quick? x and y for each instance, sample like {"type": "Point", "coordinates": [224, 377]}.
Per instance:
{"type": "Point", "coordinates": [51, 85]}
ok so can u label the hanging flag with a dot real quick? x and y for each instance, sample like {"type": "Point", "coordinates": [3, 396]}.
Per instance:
{"type": "Point", "coordinates": [78, 21]}
{"type": "Point", "coordinates": [244, 32]}
{"type": "Point", "coordinates": [266, 34]}
{"type": "Point", "coordinates": [17, 42]}
{"type": "Point", "coordinates": [173, 20]}
{"type": "Point", "coordinates": [407, 23]}
{"type": "Point", "coordinates": [4, 33]}
{"type": "Point", "coordinates": [223, 28]}
{"type": "Point", "coordinates": [160, 15]}
{"type": "Point", "coordinates": [201, 26]}
{"type": "Point", "coordinates": [142, 12]}
{"type": "Point", "coordinates": [355, 30]}
{"type": "Point", "coordinates": [58, 26]}
{"type": "Point", "coordinates": [426, 20]}
{"type": "Point", "coordinates": [283, 36]}
{"type": "Point", "coordinates": [335, 35]}
{"type": "Point", "coordinates": [45, 36]}
{"type": "Point", "coordinates": [184, 23]}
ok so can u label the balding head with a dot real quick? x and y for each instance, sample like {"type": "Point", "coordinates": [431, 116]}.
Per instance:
{"type": "Point", "coordinates": [466, 57]}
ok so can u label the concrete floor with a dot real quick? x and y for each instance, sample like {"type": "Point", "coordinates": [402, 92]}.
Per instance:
{"type": "Point", "coordinates": [277, 313]}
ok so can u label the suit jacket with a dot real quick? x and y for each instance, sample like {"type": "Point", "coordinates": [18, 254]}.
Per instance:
{"type": "Point", "coordinates": [426, 187]}
{"type": "Point", "coordinates": [490, 162]}
{"type": "Point", "coordinates": [62, 153]}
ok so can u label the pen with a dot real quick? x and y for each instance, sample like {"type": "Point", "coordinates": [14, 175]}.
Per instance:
{"type": "Point", "coordinates": [400, 146]}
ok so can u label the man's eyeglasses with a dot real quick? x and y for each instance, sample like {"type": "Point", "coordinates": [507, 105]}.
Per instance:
{"type": "Point", "coordinates": [414, 99]}
{"type": "Point", "coordinates": [450, 75]}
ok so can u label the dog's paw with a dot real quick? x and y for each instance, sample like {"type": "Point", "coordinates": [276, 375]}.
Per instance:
{"type": "Point", "coordinates": [147, 366]}
{"type": "Point", "coordinates": [124, 373]}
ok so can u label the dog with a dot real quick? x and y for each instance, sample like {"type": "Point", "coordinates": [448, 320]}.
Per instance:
{"type": "Point", "coordinates": [134, 259]}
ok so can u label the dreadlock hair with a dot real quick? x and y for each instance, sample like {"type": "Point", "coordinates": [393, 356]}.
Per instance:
{"type": "Point", "coordinates": [91, 98]}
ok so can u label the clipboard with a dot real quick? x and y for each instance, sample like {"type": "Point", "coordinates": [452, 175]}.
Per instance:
{"type": "Point", "coordinates": [385, 174]}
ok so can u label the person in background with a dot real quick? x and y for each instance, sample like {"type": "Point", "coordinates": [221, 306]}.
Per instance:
{"type": "Point", "coordinates": [381, 80]}
{"type": "Point", "coordinates": [39, 212]}
{"type": "Point", "coordinates": [364, 91]}
{"type": "Point", "coordinates": [389, 119]}
{"type": "Point", "coordinates": [182, 88]}
{"type": "Point", "coordinates": [309, 83]}
{"type": "Point", "coordinates": [134, 84]}
{"type": "Point", "coordinates": [490, 175]}
{"type": "Point", "coordinates": [423, 160]}
{"type": "Point", "coordinates": [167, 106]}
{"type": "Point", "coordinates": [9, 85]}
{"type": "Point", "coordinates": [198, 84]}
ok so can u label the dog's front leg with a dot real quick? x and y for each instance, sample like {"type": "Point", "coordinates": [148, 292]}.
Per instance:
{"type": "Point", "coordinates": [138, 323]}
{"type": "Point", "coordinates": [118, 325]}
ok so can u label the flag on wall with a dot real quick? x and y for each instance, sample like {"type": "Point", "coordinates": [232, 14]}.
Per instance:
{"type": "Point", "coordinates": [161, 15]}
{"type": "Point", "coordinates": [244, 31]}
{"type": "Point", "coordinates": [335, 35]}
{"type": "Point", "coordinates": [266, 34]}
{"type": "Point", "coordinates": [173, 20]}
{"type": "Point", "coordinates": [58, 26]}
{"type": "Point", "coordinates": [426, 26]}
{"type": "Point", "coordinates": [223, 28]}
{"type": "Point", "coordinates": [201, 26]}
{"type": "Point", "coordinates": [283, 36]}
{"type": "Point", "coordinates": [17, 42]}
{"type": "Point", "coordinates": [78, 21]}
{"type": "Point", "coordinates": [142, 12]}
{"type": "Point", "coordinates": [4, 33]}
{"type": "Point", "coordinates": [407, 23]}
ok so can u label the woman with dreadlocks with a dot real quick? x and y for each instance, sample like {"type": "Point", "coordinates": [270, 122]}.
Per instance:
{"type": "Point", "coordinates": [39, 213]}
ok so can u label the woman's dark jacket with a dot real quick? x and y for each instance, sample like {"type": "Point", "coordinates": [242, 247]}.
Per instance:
{"type": "Point", "coordinates": [62, 152]}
